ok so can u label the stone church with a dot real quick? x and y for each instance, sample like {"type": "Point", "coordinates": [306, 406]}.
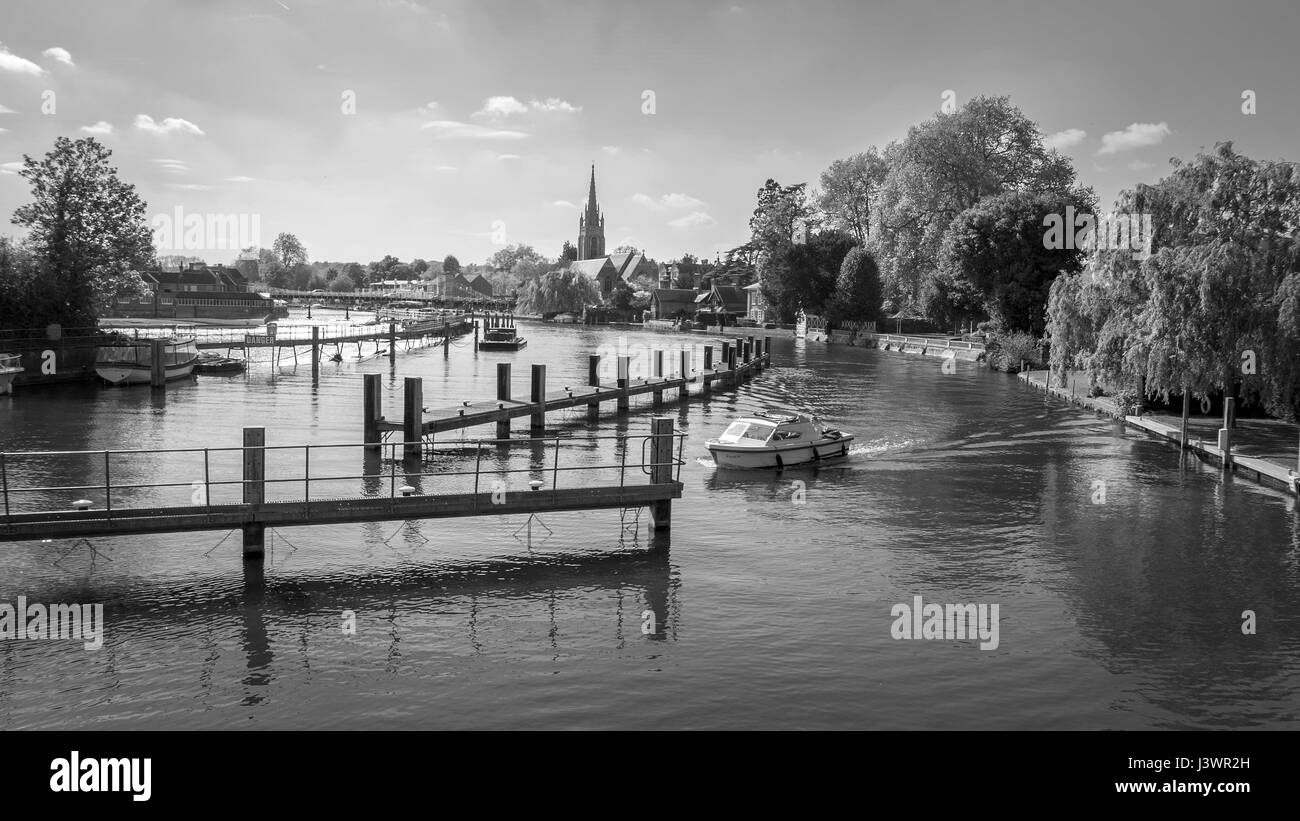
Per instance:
{"type": "Point", "coordinates": [607, 270]}
{"type": "Point", "coordinates": [591, 226]}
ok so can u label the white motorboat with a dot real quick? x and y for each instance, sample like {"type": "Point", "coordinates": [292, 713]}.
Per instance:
{"type": "Point", "coordinates": [10, 366]}
{"type": "Point", "coordinates": [130, 363]}
{"type": "Point", "coordinates": [777, 439]}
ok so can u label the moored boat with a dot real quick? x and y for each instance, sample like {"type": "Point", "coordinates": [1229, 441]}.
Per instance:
{"type": "Point", "coordinates": [777, 439]}
{"type": "Point", "coordinates": [10, 366]}
{"type": "Point", "coordinates": [501, 339]}
{"type": "Point", "coordinates": [216, 364]}
{"type": "Point", "coordinates": [131, 362]}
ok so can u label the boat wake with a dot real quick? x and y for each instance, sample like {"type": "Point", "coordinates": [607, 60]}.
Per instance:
{"type": "Point", "coordinates": [879, 447]}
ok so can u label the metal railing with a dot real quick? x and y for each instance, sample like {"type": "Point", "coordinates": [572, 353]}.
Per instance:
{"type": "Point", "coordinates": [392, 456]}
{"type": "Point", "coordinates": [929, 342]}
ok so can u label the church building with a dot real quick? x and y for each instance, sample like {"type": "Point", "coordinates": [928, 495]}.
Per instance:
{"type": "Point", "coordinates": [591, 226]}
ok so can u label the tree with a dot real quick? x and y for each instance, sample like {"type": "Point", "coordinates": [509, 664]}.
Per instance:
{"type": "Point", "coordinates": [626, 249]}
{"type": "Point", "coordinates": [687, 267]}
{"type": "Point", "coordinates": [568, 253]}
{"type": "Point", "coordinates": [86, 233]}
{"type": "Point", "coordinates": [289, 252]}
{"type": "Point", "coordinates": [780, 210]}
{"type": "Point", "coordinates": [804, 275]}
{"type": "Point", "coordinates": [557, 292]}
{"type": "Point", "coordinates": [419, 266]}
{"type": "Point", "coordinates": [848, 188]}
{"type": "Point", "coordinates": [999, 246]}
{"type": "Point", "coordinates": [857, 291]}
{"type": "Point", "coordinates": [450, 265]}
{"type": "Point", "coordinates": [343, 284]}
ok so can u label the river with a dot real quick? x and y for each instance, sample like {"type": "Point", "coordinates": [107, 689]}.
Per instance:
{"type": "Point", "coordinates": [1120, 575]}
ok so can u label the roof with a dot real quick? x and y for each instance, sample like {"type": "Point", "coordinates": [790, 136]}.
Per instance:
{"type": "Point", "coordinates": [592, 267]}
{"type": "Point", "coordinates": [626, 263]}
{"type": "Point", "coordinates": [228, 279]}
{"type": "Point", "coordinates": [673, 299]}
{"type": "Point", "coordinates": [733, 298]}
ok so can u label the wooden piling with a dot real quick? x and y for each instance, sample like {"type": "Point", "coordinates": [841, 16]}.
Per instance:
{"type": "Point", "coordinates": [1187, 410]}
{"type": "Point", "coordinates": [476, 337]}
{"type": "Point", "coordinates": [503, 395]}
{"type": "Point", "coordinates": [413, 417]}
{"type": "Point", "coordinates": [392, 340]}
{"type": "Point", "coordinates": [446, 339]}
{"type": "Point", "coordinates": [1225, 433]}
{"type": "Point", "coordinates": [537, 424]}
{"type": "Point", "coordinates": [372, 411]}
{"type": "Point", "coordinates": [315, 352]}
{"type": "Point", "coordinates": [157, 364]}
{"type": "Point", "coordinates": [732, 380]}
{"type": "Point", "coordinates": [707, 387]}
{"type": "Point", "coordinates": [661, 469]}
{"type": "Point", "coordinates": [624, 364]}
{"type": "Point", "coordinates": [254, 490]}
{"type": "Point", "coordinates": [683, 393]}
{"type": "Point", "coordinates": [593, 381]}
{"type": "Point", "coordinates": [657, 398]}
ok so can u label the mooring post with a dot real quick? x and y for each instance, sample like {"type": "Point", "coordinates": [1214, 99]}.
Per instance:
{"type": "Point", "coordinates": [624, 364]}
{"type": "Point", "coordinates": [661, 469]}
{"type": "Point", "coordinates": [707, 385]}
{"type": "Point", "coordinates": [683, 393]}
{"type": "Point", "coordinates": [1225, 432]}
{"type": "Point", "coordinates": [732, 380]}
{"type": "Point", "coordinates": [749, 348]}
{"type": "Point", "coordinates": [392, 340]}
{"type": "Point", "coordinates": [503, 395]}
{"type": "Point", "coordinates": [413, 417]}
{"type": "Point", "coordinates": [476, 336]}
{"type": "Point", "coordinates": [446, 339]}
{"type": "Point", "coordinates": [537, 424]}
{"type": "Point", "coordinates": [658, 365]}
{"type": "Point", "coordinates": [767, 349]}
{"type": "Point", "coordinates": [157, 367]}
{"type": "Point", "coordinates": [593, 381]}
{"type": "Point", "coordinates": [254, 491]}
{"type": "Point", "coordinates": [315, 352]}
{"type": "Point", "coordinates": [371, 410]}
{"type": "Point", "coordinates": [1187, 410]}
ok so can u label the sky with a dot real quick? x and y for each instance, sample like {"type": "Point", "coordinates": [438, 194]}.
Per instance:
{"type": "Point", "coordinates": [422, 128]}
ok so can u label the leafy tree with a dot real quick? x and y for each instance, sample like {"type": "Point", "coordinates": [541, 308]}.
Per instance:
{"type": "Point", "coordinates": [857, 291]}
{"type": "Point", "coordinates": [86, 234]}
{"type": "Point", "coordinates": [450, 265]}
{"type": "Point", "coordinates": [626, 249]}
{"type": "Point", "coordinates": [780, 210]}
{"type": "Point", "coordinates": [505, 259]}
{"type": "Point", "coordinates": [289, 251]}
{"type": "Point", "coordinates": [355, 272]}
{"type": "Point", "coordinates": [804, 275]}
{"type": "Point", "coordinates": [343, 284]}
{"type": "Point", "coordinates": [848, 188]}
{"type": "Point", "coordinates": [557, 292]}
{"type": "Point", "coordinates": [569, 253]}
{"type": "Point", "coordinates": [419, 266]}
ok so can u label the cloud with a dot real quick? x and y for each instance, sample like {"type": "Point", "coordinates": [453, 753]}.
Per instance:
{"type": "Point", "coordinates": [12, 62]}
{"type": "Point", "coordinates": [1137, 135]}
{"type": "Point", "coordinates": [610, 149]}
{"type": "Point", "coordinates": [188, 186]}
{"type": "Point", "coordinates": [446, 168]}
{"type": "Point", "coordinates": [240, 179]}
{"type": "Point", "coordinates": [4, 131]}
{"type": "Point", "coordinates": [1064, 139]}
{"type": "Point", "coordinates": [507, 156]}
{"type": "Point", "coordinates": [453, 130]}
{"type": "Point", "coordinates": [561, 204]}
{"type": "Point", "coordinates": [667, 201]}
{"type": "Point", "coordinates": [173, 166]}
{"type": "Point", "coordinates": [101, 128]}
{"type": "Point", "coordinates": [504, 106]}
{"type": "Point", "coordinates": [170, 125]}
{"type": "Point", "coordinates": [4, 109]}
{"type": "Point", "coordinates": [1138, 165]}
{"type": "Point", "coordinates": [695, 219]}
{"type": "Point", "coordinates": [10, 167]}
{"type": "Point", "coordinates": [60, 54]}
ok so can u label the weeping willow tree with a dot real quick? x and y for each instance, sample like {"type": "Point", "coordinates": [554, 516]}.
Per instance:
{"type": "Point", "coordinates": [557, 292]}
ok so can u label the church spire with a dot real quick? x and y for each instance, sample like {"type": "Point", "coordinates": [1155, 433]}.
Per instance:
{"type": "Point", "coordinates": [591, 194]}
{"type": "Point", "coordinates": [591, 225]}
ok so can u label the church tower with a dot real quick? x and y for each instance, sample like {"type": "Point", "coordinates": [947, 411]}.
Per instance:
{"type": "Point", "coordinates": [591, 226]}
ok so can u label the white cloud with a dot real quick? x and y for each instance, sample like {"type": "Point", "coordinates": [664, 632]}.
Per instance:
{"type": "Point", "coordinates": [453, 130]}
{"type": "Point", "coordinates": [1137, 135]}
{"type": "Point", "coordinates": [446, 168]}
{"type": "Point", "coordinates": [610, 149]}
{"type": "Point", "coordinates": [170, 125]}
{"type": "Point", "coordinates": [500, 107]}
{"type": "Point", "coordinates": [60, 54]}
{"type": "Point", "coordinates": [240, 179]}
{"type": "Point", "coordinates": [173, 166]}
{"type": "Point", "coordinates": [4, 131]}
{"type": "Point", "coordinates": [554, 104]}
{"type": "Point", "coordinates": [695, 219]}
{"type": "Point", "coordinates": [667, 201]}
{"type": "Point", "coordinates": [507, 156]}
{"type": "Point", "coordinates": [561, 204]}
{"type": "Point", "coordinates": [101, 128]}
{"type": "Point", "coordinates": [12, 62]}
{"type": "Point", "coordinates": [1138, 165]}
{"type": "Point", "coordinates": [188, 186]}
{"type": "Point", "coordinates": [4, 109]}
{"type": "Point", "coordinates": [10, 167]}
{"type": "Point", "coordinates": [1064, 139]}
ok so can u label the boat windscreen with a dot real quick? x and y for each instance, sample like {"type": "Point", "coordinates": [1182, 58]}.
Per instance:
{"type": "Point", "coordinates": [746, 430]}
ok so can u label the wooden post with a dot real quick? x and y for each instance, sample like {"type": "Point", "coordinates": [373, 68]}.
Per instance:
{"type": "Point", "coordinates": [707, 386]}
{"type": "Point", "coordinates": [476, 337]}
{"type": "Point", "coordinates": [1187, 410]}
{"type": "Point", "coordinates": [658, 396]}
{"type": "Point", "coordinates": [157, 367]}
{"type": "Point", "coordinates": [392, 340]}
{"type": "Point", "coordinates": [254, 490]}
{"type": "Point", "coordinates": [538, 421]}
{"type": "Point", "coordinates": [749, 348]}
{"type": "Point", "coordinates": [503, 395]}
{"type": "Point", "coordinates": [624, 363]}
{"type": "Point", "coordinates": [315, 352]}
{"type": "Point", "coordinates": [708, 357]}
{"type": "Point", "coordinates": [413, 417]}
{"type": "Point", "coordinates": [661, 469]}
{"type": "Point", "coordinates": [731, 367]}
{"type": "Point", "coordinates": [683, 393]}
{"type": "Point", "coordinates": [593, 380]}
{"type": "Point", "coordinates": [371, 411]}
{"type": "Point", "coordinates": [1225, 433]}
{"type": "Point", "coordinates": [767, 349]}
{"type": "Point", "coordinates": [446, 339]}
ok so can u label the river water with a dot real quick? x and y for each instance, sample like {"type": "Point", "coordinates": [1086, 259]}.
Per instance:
{"type": "Point", "coordinates": [1120, 575]}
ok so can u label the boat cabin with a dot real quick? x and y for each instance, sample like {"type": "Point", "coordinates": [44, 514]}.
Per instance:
{"type": "Point", "coordinates": [763, 428]}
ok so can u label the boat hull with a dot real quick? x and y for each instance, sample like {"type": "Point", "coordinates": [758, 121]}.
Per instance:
{"type": "Point", "coordinates": [127, 374]}
{"type": "Point", "coordinates": [513, 345]}
{"type": "Point", "coordinates": [783, 456]}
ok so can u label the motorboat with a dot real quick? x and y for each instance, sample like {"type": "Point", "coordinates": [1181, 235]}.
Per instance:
{"type": "Point", "coordinates": [216, 364]}
{"type": "Point", "coordinates": [777, 439]}
{"type": "Point", "coordinates": [501, 339]}
{"type": "Point", "coordinates": [10, 366]}
{"type": "Point", "coordinates": [131, 362]}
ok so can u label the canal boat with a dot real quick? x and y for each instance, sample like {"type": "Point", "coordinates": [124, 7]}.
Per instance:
{"type": "Point", "coordinates": [777, 439]}
{"type": "Point", "coordinates": [501, 339]}
{"type": "Point", "coordinates": [130, 362]}
{"type": "Point", "coordinates": [10, 366]}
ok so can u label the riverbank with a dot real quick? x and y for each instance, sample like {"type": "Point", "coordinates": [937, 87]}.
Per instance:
{"type": "Point", "coordinates": [1263, 450]}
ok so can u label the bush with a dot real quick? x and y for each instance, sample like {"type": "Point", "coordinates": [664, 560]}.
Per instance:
{"type": "Point", "coordinates": [1006, 351]}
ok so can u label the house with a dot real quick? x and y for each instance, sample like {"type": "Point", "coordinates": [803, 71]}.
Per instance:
{"type": "Point", "coordinates": [756, 308]}
{"type": "Point", "coordinates": [481, 285]}
{"type": "Point", "coordinates": [196, 291]}
{"type": "Point", "coordinates": [671, 303]}
{"type": "Point", "coordinates": [600, 270]}
{"type": "Point", "coordinates": [197, 277]}
{"type": "Point", "coordinates": [724, 303]}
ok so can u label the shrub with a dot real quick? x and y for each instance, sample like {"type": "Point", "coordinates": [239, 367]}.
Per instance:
{"type": "Point", "coordinates": [1006, 351]}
